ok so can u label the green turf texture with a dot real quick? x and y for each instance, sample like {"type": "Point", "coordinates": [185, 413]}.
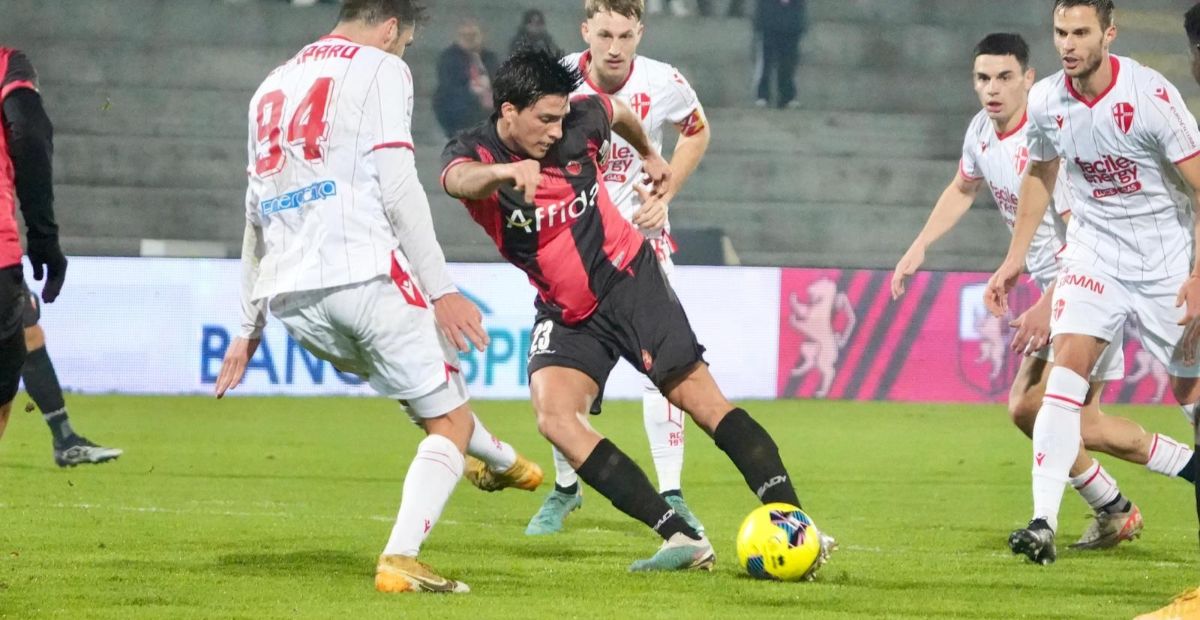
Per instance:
{"type": "Point", "coordinates": [274, 508]}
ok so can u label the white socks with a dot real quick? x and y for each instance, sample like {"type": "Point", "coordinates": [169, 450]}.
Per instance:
{"type": "Point", "coordinates": [430, 479]}
{"type": "Point", "coordinates": [1167, 456]}
{"type": "Point", "coordinates": [1096, 486]}
{"type": "Point", "coordinates": [486, 447]}
{"type": "Point", "coordinates": [664, 428]}
{"type": "Point", "coordinates": [1056, 441]}
{"type": "Point", "coordinates": [564, 474]}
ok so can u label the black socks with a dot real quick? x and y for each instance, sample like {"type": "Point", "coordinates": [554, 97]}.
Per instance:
{"type": "Point", "coordinates": [615, 476]}
{"type": "Point", "coordinates": [755, 454]}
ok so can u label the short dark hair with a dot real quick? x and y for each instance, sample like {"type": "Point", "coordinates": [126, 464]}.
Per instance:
{"type": "Point", "coordinates": [530, 74]}
{"type": "Point", "coordinates": [1104, 9]}
{"type": "Point", "coordinates": [407, 12]}
{"type": "Point", "coordinates": [1004, 44]}
{"type": "Point", "coordinates": [1191, 23]}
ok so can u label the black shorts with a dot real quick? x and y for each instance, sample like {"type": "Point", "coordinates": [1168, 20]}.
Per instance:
{"type": "Point", "coordinates": [639, 319]}
{"type": "Point", "coordinates": [12, 334]}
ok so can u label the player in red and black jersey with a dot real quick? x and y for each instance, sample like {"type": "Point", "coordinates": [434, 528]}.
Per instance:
{"type": "Point", "coordinates": [26, 149]}
{"type": "Point", "coordinates": [530, 176]}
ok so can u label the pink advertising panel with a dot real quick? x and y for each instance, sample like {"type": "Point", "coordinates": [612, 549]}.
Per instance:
{"type": "Point", "coordinates": [842, 337]}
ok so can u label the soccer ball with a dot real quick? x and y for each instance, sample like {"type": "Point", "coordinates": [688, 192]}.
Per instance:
{"type": "Point", "coordinates": [778, 541]}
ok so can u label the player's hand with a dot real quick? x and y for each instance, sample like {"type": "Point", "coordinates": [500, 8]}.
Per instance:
{"type": "Point", "coordinates": [1189, 298]}
{"type": "Point", "coordinates": [653, 214]}
{"type": "Point", "coordinates": [460, 321]}
{"type": "Point", "coordinates": [908, 265]}
{"type": "Point", "coordinates": [525, 175]}
{"type": "Point", "coordinates": [237, 356]}
{"type": "Point", "coordinates": [48, 261]}
{"type": "Point", "coordinates": [1033, 328]}
{"type": "Point", "coordinates": [995, 297]}
{"type": "Point", "coordinates": [658, 174]}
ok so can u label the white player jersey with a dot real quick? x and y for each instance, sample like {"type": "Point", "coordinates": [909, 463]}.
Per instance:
{"type": "Point", "coordinates": [1129, 218]}
{"type": "Point", "coordinates": [1000, 160]}
{"type": "Point", "coordinates": [315, 123]}
{"type": "Point", "coordinates": [659, 94]}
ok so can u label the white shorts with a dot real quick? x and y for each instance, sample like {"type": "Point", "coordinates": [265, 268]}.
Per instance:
{"type": "Point", "coordinates": [1089, 302]}
{"type": "Point", "coordinates": [382, 332]}
{"type": "Point", "coordinates": [1110, 366]}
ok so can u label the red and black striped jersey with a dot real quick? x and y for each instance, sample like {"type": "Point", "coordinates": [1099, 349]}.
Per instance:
{"type": "Point", "coordinates": [572, 241]}
{"type": "Point", "coordinates": [16, 72]}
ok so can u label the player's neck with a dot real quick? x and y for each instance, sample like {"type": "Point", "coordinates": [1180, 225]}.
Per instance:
{"type": "Point", "coordinates": [505, 134]}
{"type": "Point", "coordinates": [353, 32]}
{"type": "Point", "coordinates": [1010, 124]}
{"type": "Point", "coordinates": [1091, 85]}
{"type": "Point", "coordinates": [609, 86]}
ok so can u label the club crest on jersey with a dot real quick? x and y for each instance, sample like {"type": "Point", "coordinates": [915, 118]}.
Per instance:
{"type": "Point", "coordinates": [1123, 116]}
{"type": "Point", "coordinates": [640, 103]}
{"type": "Point", "coordinates": [1022, 160]}
{"type": "Point", "coordinates": [573, 168]}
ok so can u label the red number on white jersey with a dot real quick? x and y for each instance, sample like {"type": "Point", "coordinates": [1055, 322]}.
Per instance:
{"type": "Point", "coordinates": [270, 113]}
{"type": "Point", "coordinates": [307, 126]}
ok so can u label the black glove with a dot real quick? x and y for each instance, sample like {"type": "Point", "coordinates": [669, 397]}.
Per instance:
{"type": "Point", "coordinates": [44, 253]}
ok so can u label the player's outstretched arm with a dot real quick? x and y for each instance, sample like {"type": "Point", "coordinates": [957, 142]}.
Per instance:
{"type": "Point", "coordinates": [955, 200]}
{"type": "Point", "coordinates": [1036, 189]}
{"type": "Point", "coordinates": [31, 150]}
{"type": "Point", "coordinates": [694, 137]}
{"type": "Point", "coordinates": [627, 124]}
{"type": "Point", "coordinates": [254, 315]}
{"type": "Point", "coordinates": [478, 181]}
{"type": "Point", "coordinates": [407, 208]}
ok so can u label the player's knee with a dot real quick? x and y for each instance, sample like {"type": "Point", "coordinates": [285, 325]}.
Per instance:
{"type": "Point", "coordinates": [1023, 409]}
{"type": "Point", "coordinates": [35, 338]}
{"type": "Point", "coordinates": [555, 424]}
{"type": "Point", "coordinates": [1186, 390]}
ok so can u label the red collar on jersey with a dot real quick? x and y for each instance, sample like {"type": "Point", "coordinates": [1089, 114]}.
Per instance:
{"type": "Point", "coordinates": [1010, 133]}
{"type": "Point", "coordinates": [1116, 70]}
{"type": "Point", "coordinates": [586, 58]}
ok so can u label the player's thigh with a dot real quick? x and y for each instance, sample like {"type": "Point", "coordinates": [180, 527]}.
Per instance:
{"type": "Point", "coordinates": [405, 355]}
{"type": "Point", "coordinates": [1089, 311]}
{"type": "Point", "coordinates": [304, 317]}
{"type": "Point", "coordinates": [697, 393]}
{"type": "Point", "coordinates": [12, 333]}
{"type": "Point", "coordinates": [1161, 335]}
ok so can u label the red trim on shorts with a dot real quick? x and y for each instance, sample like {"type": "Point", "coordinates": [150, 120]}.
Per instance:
{"type": "Point", "coordinates": [450, 370]}
{"type": "Point", "coordinates": [1062, 249]}
{"type": "Point", "coordinates": [394, 145]}
{"type": "Point", "coordinates": [1065, 399]}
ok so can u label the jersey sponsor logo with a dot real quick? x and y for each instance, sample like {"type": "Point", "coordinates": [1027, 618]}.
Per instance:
{"type": "Point", "coordinates": [321, 52]}
{"type": "Point", "coordinates": [617, 163]}
{"type": "Point", "coordinates": [640, 103]}
{"type": "Point", "coordinates": [1161, 93]}
{"type": "Point", "coordinates": [558, 214]}
{"type": "Point", "coordinates": [1120, 172]}
{"type": "Point", "coordinates": [1082, 281]}
{"type": "Point", "coordinates": [1007, 201]}
{"type": "Point", "coordinates": [1022, 160]}
{"type": "Point", "coordinates": [1123, 116]}
{"type": "Point", "coordinates": [298, 198]}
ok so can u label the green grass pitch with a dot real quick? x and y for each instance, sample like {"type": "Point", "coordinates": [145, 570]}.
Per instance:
{"type": "Point", "coordinates": [274, 508]}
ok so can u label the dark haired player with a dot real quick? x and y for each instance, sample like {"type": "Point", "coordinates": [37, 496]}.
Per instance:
{"type": "Point", "coordinates": [26, 147]}
{"type": "Point", "coordinates": [1112, 124]}
{"type": "Point", "coordinates": [995, 152]}
{"type": "Point", "coordinates": [530, 176]}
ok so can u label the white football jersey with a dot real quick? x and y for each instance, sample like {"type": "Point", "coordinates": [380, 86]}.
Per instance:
{"type": "Point", "coordinates": [1129, 218]}
{"type": "Point", "coordinates": [1000, 161]}
{"type": "Point", "coordinates": [660, 95]}
{"type": "Point", "coordinates": [314, 189]}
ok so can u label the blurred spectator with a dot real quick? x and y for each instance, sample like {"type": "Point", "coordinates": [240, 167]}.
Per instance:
{"type": "Point", "coordinates": [736, 8]}
{"type": "Point", "coordinates": [778, 26]}
{"type": "Point", "coordinates": [678, 8]}
{"type": "Point", "coordinates": [464, 89]}
{"type": "Point", "coordinates": [532, 34]}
